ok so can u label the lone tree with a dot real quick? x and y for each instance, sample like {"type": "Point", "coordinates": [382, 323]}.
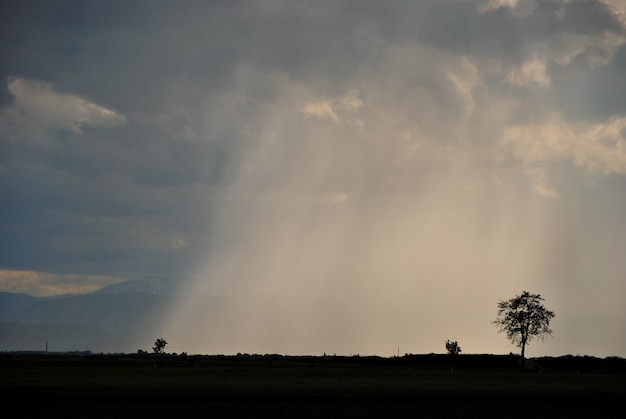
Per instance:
{"type": "Point", "coordinates": [524, 318]}
{"type": "Point", "coordinates": [159, 346]}
{"type": "Point", "coordinates": [453, 349]}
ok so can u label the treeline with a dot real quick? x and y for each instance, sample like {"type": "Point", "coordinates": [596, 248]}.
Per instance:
{"type": "Point", "coordinates": [573, 363]}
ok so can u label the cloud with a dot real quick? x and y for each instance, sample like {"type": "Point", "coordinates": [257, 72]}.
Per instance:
{"type": "Point", "coordinates": [320, 110]}
{"type": "Point", "coordinates": [541, 182]}
{"type": "Point", "coordinates": [485, 6]}
{"type": "Point", "coordinates": [341, 109]}
{"type": "Point", "coordinates": [38, 103]}
{"type": "Point", "coordinates": [589, 32]}
{"type": "Point", "coordinates": [595, 147]}
{"type": "Point", "coordinates": [46, 284]}
{"type": "Point", "coordinates": [618, 9]}
{"type": "Point", "coordinates": [466, 79]}
{"type": "Point", "coordinates": [531, 73]}
{"type": "Point", "coordinates": [351, 102]}
{"type": "Point", "coordinates": [592, 49]}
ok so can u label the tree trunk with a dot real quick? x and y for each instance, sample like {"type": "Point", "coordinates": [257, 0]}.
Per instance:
{"type": "Point", "coordinates": [523, 363]}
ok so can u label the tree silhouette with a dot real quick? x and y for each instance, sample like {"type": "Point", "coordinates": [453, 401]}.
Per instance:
{"type": "Point", "coordinates": [159, 346]}
{"type": "Point", "coordinates": [524, 318]}
{"type": "Point", "coordinates": [453, 349]}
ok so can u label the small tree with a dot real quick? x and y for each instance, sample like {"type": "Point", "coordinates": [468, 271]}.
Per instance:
{"type": "Point", "coordinates": [159, 346]}
{"type": "Point", "coordinates": [453, 349]}
{"type": "Point", "coordinates": [524, 318]}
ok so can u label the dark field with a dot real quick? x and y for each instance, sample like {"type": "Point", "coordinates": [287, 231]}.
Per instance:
{"type": "Point", "coordinates": [278, 387]}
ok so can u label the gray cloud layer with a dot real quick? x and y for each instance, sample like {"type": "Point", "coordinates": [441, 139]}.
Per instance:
{"type": "Point", "coordinates": [369, 162]}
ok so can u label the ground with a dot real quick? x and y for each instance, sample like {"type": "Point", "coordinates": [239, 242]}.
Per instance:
{"type": "Point", "coordinates": [279, 387]}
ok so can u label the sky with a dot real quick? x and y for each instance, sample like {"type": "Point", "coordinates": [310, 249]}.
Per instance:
{"type": "Point", "coordinates": [355, 177]}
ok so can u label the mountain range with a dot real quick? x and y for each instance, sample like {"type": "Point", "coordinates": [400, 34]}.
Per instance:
{"type": "Point", "coordinates": [122, 317]}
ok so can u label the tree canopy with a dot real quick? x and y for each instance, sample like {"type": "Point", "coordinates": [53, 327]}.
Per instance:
{"type": "Point", "coordinates": [159, 346]}
{"type": "Point", "coordinates": [524, 318]}
{"type": "Point", "coordinates": [453, 347]}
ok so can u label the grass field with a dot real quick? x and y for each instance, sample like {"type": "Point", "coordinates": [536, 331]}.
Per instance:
{"type": "Point", "coordinates": [60, 387]}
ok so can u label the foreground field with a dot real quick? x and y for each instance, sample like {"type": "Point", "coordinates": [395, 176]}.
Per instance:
{"type": "Point", "coordinates": [57, 387]}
